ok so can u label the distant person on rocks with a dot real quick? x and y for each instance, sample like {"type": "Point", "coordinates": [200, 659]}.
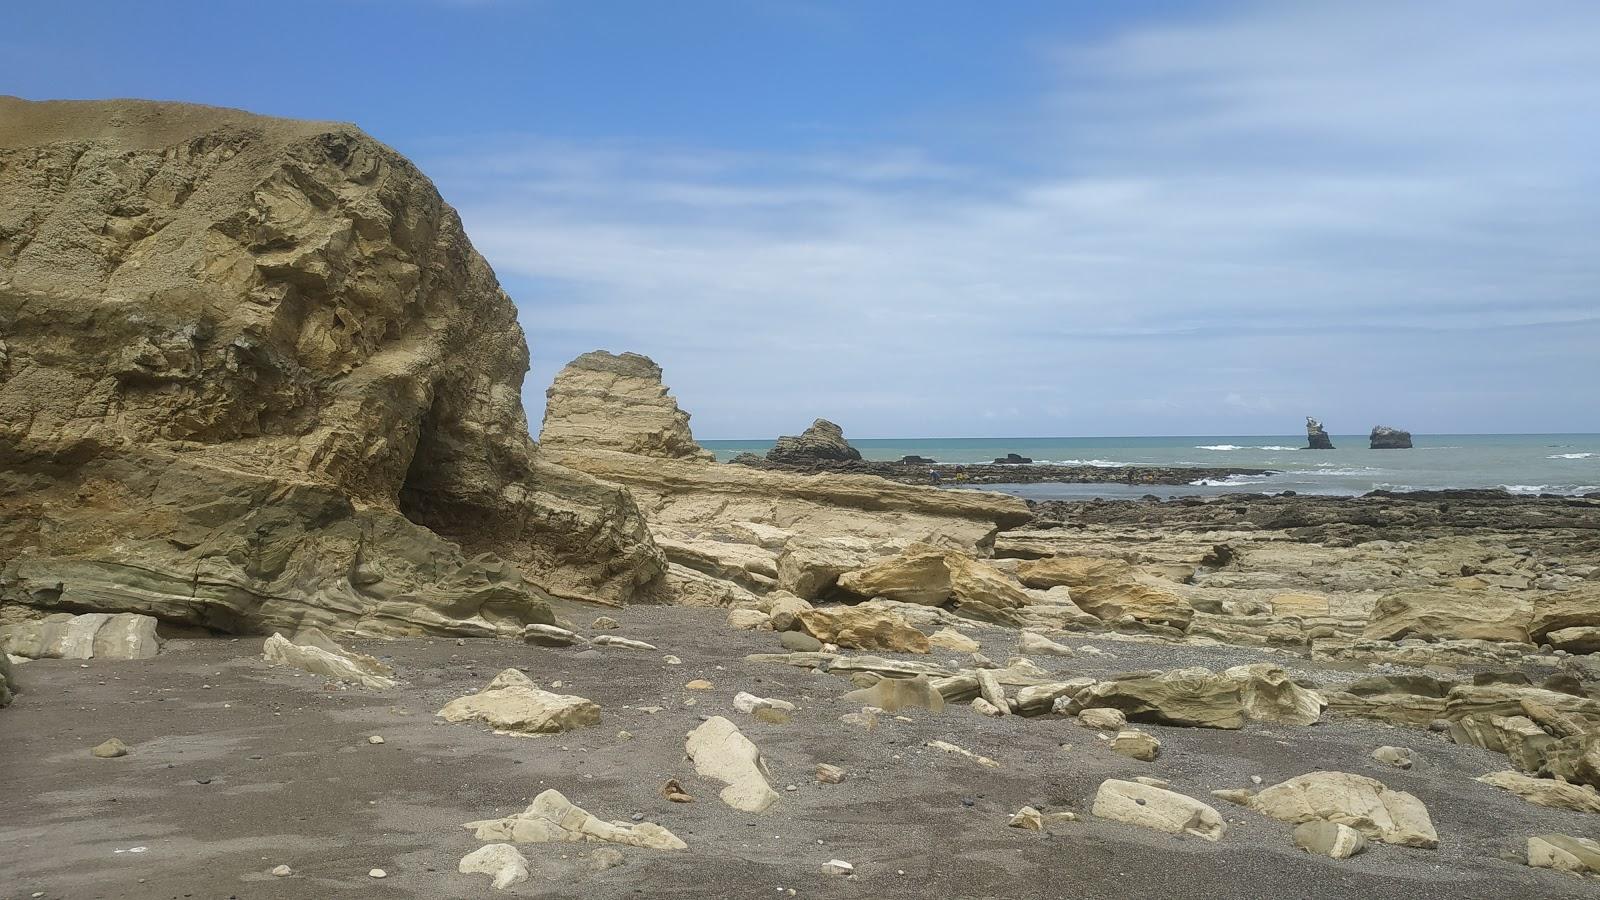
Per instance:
{"type": "Point", "coordinates": [934, 475]}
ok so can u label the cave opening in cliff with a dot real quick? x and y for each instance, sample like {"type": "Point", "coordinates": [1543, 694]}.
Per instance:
{"type": "Point", "coordinates": [423, 488]}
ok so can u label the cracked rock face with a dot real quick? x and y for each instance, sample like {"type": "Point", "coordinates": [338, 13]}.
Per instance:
{"type": "Point", "coordinates": [606, 401]}
{"type": "Point", "coordinates": [255, 377]}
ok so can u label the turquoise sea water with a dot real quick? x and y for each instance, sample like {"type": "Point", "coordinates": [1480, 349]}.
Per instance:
{"type": "Point", "coordinates": [1520, 463]}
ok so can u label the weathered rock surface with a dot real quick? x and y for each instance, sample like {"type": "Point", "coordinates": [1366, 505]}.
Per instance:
{"type": "Point", "coordinates": [721, 752]}
{"type": "Point", "coordinates": [86, 636]}
{"type": "Point", "coordinates": [1546, 791]}
{"type": "Point", "coordinates": [823, 441]}
{"type": "Point", "coordinates": [1158, 809]}
{"type": "Point", "coordinates": [1384, 437]}
{"type": "Point", "coordinates": [1073, 571]}
{"type": "Point", "coordinates": [606, 401]}
{"type": "Point", "coordinates": [1564, 853]}
{"type": "Point", "coordinates": [1331, 839]}
{"type": "Point", "coordinates": [1317, 436]}
{"type": "Point", "coordinates": [256, 377]}
{"type": "Point", "coordinates": [323, 657]}
{"type": "Point", "coordinates": [1111, 601]}
{"type": "Point", "coordinates": [503, 863]}
{"type": "Point", "coordinates": [934, 576]}
{"type": "Point", "coordinates": [1446, 615]}
{"type": "Point", "coordinates": [552, 818]}
{"type": "Point", "coordinates": [1199, 697]}
{"type": "Point", "coordinates": [1136, 744]}
{"type": "Point", "coordinates": [862, 628]}
{"type": "Point", "coordinates": [1365, 804]}
{"type": "Point", "coordinates": [8, 681]}
{"type": "Point", "coordinates": [513, 703]}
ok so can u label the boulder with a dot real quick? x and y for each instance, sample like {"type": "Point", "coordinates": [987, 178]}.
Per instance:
{"type": "Point", "coordinates": [1316, 436]}
{"type": "Point", "coordinates": [1570, 610]}
{"type": "Point", "coordinates": [1575, 758]}
{"type": "Point", "coordinates": [1268, 694]}
{"type": "Point", "coordinates": [1578, 639]}
{"type": "Point", "coordinates": [862, 628]}
{"type": "Point", "coordinates": [552, 818]}
{"type": "Point", "coordinates": [1151, 605]}
{"type": "Point", "coordinates": [258, 377]}
{"type": "Point", "coordinates": [512, 703]}
{"type": "Point", "coordinates": [1518, 737]}
{"type": "Point", "coordinates": [334, 662]}
{"type": "Point", "coordinates": [1564, 853]}
{"type": "Point", "coordinates": [549, 636]}
{"type": "Point", "coordinates": [1102, 718]}
{"type": "Point", "coordinates": [1439, 614]}
{"type": "Point", "coordinates": [1073, 571]}
{"type": "Point", "coordinates": [1158, 809]}
{"type": "Point", "coordinates": [822, 442]}
{"type": "Point", "coordinates": [721, 752]}
{"type": "Point", "coordinates": [750, 620]}
{"type": "Point", "coordinates": [1136, 744]}
{"type": "Point", "coordinates": [952, 640]}
{"type": "Point", "coordinates": [1331, 839]}
{"type": "Point", "coordinates": [935, 576]}
{"type": "Point", "coordinates": [1031, 644]}
{"type": "Point", "coordinates": [1547, 792]}
{"type": "Point", "coordinates": [617, 402]}
{"type": "Point", "coordinates": [1365, 804]}
{"type": "Point", "coordinates": [782, 607]}
{"type": "Point", "coordinates": [1201, 698]}
{"type": "Point", "coordinates": [1384, 437]}
{"type": "Point", "coordinates": [109, 749]}
{"type": "Point", "coordinates": [896, 694]}
{"type": "Point", "coordinates": [1399, 757]}
{"type": "Point", "coordinates": [86, 636]}
{"type": "Point", "coordinates": [503, 863]}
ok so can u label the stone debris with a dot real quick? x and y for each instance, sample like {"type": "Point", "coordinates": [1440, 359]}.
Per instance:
{"type": "Point", "coordinates": [86, 636]}
{"type": "Point", "coordinates": [321, 656]}
{"type": "Point", "coordinates": [281, 871]}
{"type": "Point", "coordinates": [1331, 839]}
{"type": "Point", "coordinates": [1547, 792]}
{"type": "Point", "coordinates": [674, 792]}
{"type": "Point", "coordinates": [549, 636]}
{"type": "Point", "coordinates": [1102, 718]}
{"type": "Point", "coordinates": [377, 873]}
{"type": "Point", "coordinates": [1037, 644]}
{"type": "Point", "coordinates": [989, 689]}
{"type": "Point", "coordinates": [750, 704]}
{"type": "Point", "coordinates": [109, 749]}
{"type": "Point", "coordinates": [863, 628]}
{"type": "Point", "coordinates": [952, 640]}
{"type": "Point", "coordinates": [840, 867]}
{"type": "Point", "coordinates": [604, 622]}
{"type": "Point", "coordinates": [1399, 757]}
{"type": "Point", "coordinates": [1365, 804]}
{"type": "Point", "coordinates": [1136, 744]}
{"type": "Point", "coordinates": [513, 704]}
{"type": "Point", "coordinates": [1564, 853]}
{"type": "Point", "coordinates": [1199, 697]}
{"type": "Point", "coordinates": [748, 619]}
{"type": "Point", "coordinates": [720, 752]}
{"type": "Point", "coordinates": [552, 818]}
{"type": "Point", "coordinates": [962, 751]}
{"type": "Point", "coordinates": [503, 863]}
{"type": "Point", "coordinates": [1158, 809]}
{"type": "Point", "coordinates": [375, 739]}
{"type": "Point", "coordinates": [984, 708]}
{"type": "Point", "coordinates": [698, 684]}
{"type": "Point", "coordinates": [1030, 819]}
{"type": "Point", "coordinates": [895, 694]}
{"type": "Point", "coordinates": [611, 640]}
{"type": "Point", "coordinates": [827, 774]}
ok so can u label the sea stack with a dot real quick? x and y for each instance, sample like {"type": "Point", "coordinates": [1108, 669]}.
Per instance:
{"type": "Point", "coordinates": [1386, 438]}
{"type": "Point", "coordinates": [822, 442]}
{"type": "Point", "coordinates": [1316, 437]}
{"type": "Point", "coordinates": [607, 401]}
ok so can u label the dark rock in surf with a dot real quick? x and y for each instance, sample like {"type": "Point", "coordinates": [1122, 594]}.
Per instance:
{"type": "Point", "coordinates": [822, 441]}
{"type": "Point", "coordinates": [1386, 438]}
{"type": "Point", "coordinates": [1012, 459]}
{"type": "Point", "coordinates": [1317, 437]}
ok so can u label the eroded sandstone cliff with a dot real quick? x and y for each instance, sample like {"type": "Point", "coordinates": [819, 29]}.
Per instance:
{"type": "Point", "coordinates": [253, 375]}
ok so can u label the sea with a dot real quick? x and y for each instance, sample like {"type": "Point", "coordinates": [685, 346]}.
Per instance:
{"type": "Point", "coordinates": [1531, 464]}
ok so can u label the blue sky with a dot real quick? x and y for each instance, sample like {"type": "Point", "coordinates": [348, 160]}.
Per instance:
{"type": "Point", "coordinates": [940, 218]}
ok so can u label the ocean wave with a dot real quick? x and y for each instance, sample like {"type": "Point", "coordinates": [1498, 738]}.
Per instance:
{"type": "Point", "coordinates": [1570, 456]}
{"type": "Point", "coordinates": [1525, 488]}
{"type": "Point", "coordinates": [1230, 481]}
{"type": "Point", "coordinates": [1097, 463]}
{"type": "Point", "coordinates": [1237, 447]}
{"type": "Point", "coordinates": [1332, 470]}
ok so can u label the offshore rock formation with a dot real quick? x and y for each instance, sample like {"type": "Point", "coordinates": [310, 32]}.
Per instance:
{"type": "Point", "coordinates": [823, 441]}
{"type": "Point", "coordinates": [256, 377]}
{"type": "Point", "coordinates": [733, 534]}
{"type": "Point", "coordinates": [1386, 438]}
{"type": "Point", "coordinates": [603, 401]}
{"type": "Point", "coordinates": [1316, 436]}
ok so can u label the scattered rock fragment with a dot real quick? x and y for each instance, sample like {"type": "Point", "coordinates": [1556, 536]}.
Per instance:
{"type": "Point", "coordinates": [1365, 804]}
{"type": "Point", "coordinates": [895, 694]}
{"type": "Point", "coordinates": [748, 619]}
{"type": "Point", "coordinates": [799, 642]}
{"type": "Point", "coordinates": [1548, 792]}
{"type": "Point", "coordinates": [962, 751]}
{"type": "Point", "coordinates": [110, 749]}
{"type": "Point", "coordinates": [984, 708]}
{"type": "Point", "coordinates": [377, 873]}
{"type": "Point", "coordinates": [552, 818]}
{"type": "Point", "coordinates": [1158, 809]}
{"type": "Point", "coordinates": [611, 640]}
{"type": "Point", "coordinates": [829, 774]}
{"type": "Point", "coordinates": [863, 628]}
{"type": "Point", "coordinates": [282, 871]}
{"type": "Point", "coordinates": [751, 704]}
{"type": "Point", "coordinates": [549, 636]}
{"type": "Point", "coordinates": [1030, 819]}
{"type": "Point", "coordinates": [513, 703]}
{"type": "Point", "coordinates": [1031, 644]}
{"type": "Point", "coordinates": [698, 684]}
{"type": "Point", "coordinates": [950, 639]}
{"type": "Point", "coordinates": [503, 863]}
{"type": "Point", "coordinates": [605, 622]}
{"type": "Point", "coordinates": [674, 791]}
{"type": "Point", "coordinates": [1331, 839]}
{"type": "Point", "coordinates": [1399, 757]}
{"type": "Point", "coordinates": [1102, 718]}
{"type": "Point", "coordinates": [1564, 853]}
{"type": "Point", "coordinates": [721, 752]}
{"type": "Point", "coordinates": [1136, 744]}
{"type": "Point", "coordinates": [321, 656]}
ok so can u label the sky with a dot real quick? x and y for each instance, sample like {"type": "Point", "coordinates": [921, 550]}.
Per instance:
{"type": "Point", "coordinates": [939, 218]}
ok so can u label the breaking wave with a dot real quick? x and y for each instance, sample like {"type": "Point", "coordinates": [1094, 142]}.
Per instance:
{"type": "Point", "coordinates": [1230, 481]}
{"type": "Point", "coordinates": [1570, 456]}
{"type": "Point", "coordinates": [1237, 447]}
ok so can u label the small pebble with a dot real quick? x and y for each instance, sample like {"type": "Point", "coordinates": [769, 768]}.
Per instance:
{"type": "Point", "coordinates": [377, 873]}
{"type": "Point", "coordinates": [375, 739]}
{"type": "Point", "coordinates": [282, 871]}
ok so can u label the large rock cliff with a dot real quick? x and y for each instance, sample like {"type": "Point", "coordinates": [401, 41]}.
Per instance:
{"type": "Point", "coordinates": [253, 375]}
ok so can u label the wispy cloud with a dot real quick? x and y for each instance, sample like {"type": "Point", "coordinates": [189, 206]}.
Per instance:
{"type": "Point", "coordinates": [1304, 188]}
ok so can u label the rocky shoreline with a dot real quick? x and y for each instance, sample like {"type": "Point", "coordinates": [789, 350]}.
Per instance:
{"type": "Point", "coordinates": [934, 474]}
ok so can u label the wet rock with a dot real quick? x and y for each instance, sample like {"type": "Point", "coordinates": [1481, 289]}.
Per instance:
{"type": "Point", "coordinates": [552, 818]}
{"type": "Point", "coordinates": [721, 752]}
{"type": "Point", "coordinates": [1155, 808]}
{"type": "Point", "coordinates": [1384, 437]}
{"type": "Point", "coordinates": [503, 863]}
{"type": "Point", "coordinates": [1316, 436]}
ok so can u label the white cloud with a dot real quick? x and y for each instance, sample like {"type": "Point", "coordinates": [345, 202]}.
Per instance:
{"type": "Point", "coordinates": [1361, 200]}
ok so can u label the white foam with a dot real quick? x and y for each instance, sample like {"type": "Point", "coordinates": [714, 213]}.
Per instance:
{"type": "Point", "coordinates": [1230, 481]}
{"type": "Point", "coordinates": [1524, 488]}
{"type": "Point", "coordinates": [1097, 463]}
{"type": "Point", "coordinates": [1237, 447]}
{"type": "Point", "coordinates": [1570, 456]}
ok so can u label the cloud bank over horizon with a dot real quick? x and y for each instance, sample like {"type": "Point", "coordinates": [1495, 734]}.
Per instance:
{"type": "Point", "coordinates": [1120, 219]}
{"type": "Point", "coordinates": [1364, 212]}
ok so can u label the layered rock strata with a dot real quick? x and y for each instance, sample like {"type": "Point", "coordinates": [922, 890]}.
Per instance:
{"type": "Point", "coordinates": [255, 376]}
